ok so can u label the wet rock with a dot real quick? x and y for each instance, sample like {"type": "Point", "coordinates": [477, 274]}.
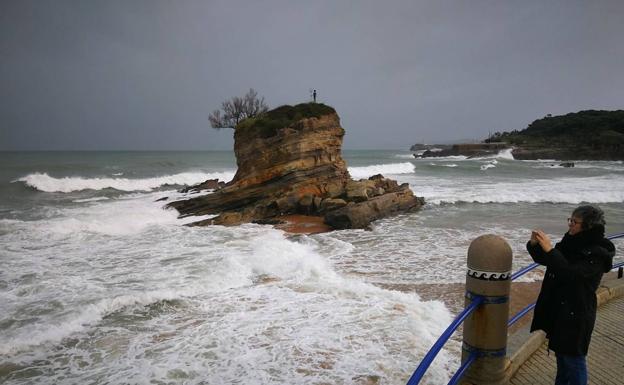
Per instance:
{"type": "Point", "coordinates": [210, 184]}
{"type": "Point", "coordinates": [332, 204]}
{"type": "Point", "coordinates": [360, 215]}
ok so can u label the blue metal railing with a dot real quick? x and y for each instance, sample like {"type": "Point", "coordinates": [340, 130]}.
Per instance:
{"type": "Point", "coordinates": [477, 300]}
{"type": "Point", "coordinates": [433, 352]}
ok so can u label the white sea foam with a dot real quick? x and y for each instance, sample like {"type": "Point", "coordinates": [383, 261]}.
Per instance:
{"type": "Point", "coordinates": [506, 154]}
{"type": "Point", "coordinates": [451, 157]}
{"type": "Point", "coordinates": [404, 156]}
{"type": "Point", "coordinates": [304, 314]}
{"type": "Point", "coordinates": [486, 166]}
{"type": "Point", "coordinates": [384, 169]}
{"type": "Point", "coordinates": [128, 215]}
{"type": "Point", "coordinates": [44, 182]}
{"type": "Point", "coordinates": [38, 334]}
{"type": "Point", "coordinates": [599, 189]}
{"type": "Point", "coordinates": [610, 166]}
{"type": "Point", "coordinates": [96, 199]}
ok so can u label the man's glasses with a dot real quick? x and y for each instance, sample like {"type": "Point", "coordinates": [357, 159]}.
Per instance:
{"type": "Point", "coordinates": [572, 221]}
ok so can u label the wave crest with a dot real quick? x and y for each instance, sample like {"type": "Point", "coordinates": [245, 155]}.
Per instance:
{"type": "Point", "coordinates": [46, 183]}
{"type": "Point", "coordinates": [384, 169]}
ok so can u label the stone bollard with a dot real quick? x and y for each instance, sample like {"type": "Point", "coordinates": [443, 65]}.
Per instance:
{"type": "Point", "coordinates": [485, 330]}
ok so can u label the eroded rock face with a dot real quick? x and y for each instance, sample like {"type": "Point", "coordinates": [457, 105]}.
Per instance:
{"type": "Point", "coordinates": [298, 169]}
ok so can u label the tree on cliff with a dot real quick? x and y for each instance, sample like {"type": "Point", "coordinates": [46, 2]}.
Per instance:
{"type": "Point", "coordinates": [237, 109]}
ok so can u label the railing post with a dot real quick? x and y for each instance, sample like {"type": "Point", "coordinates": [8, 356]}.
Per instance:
{"type": "Point", "coordinates": [485, 330]}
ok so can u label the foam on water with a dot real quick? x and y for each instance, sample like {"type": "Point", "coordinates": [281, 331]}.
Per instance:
{"type": "Point", "coordinates": [450, 157]}
{"type": "Point", "coordinates": [599, 189]}
{"type": "Point", "coordinates": [90, 199]}
{"type": "Point", "coordinates": [118, 291]}
{"type": "Point", "coordinates": [246, 292]}
{"type": "Point", "coordinates": [47, 183]}
{"type": "Point", "coordinates": [404, 156]}
{"type": "Point", "coordinates": [384, 169]}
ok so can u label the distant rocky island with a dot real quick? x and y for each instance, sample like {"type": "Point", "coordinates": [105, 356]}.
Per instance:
{"type": "Point", "coordinates": [470, 150]}
{"type": "Point", "coordinates": [289, 163]}
{"type": "Point", "coordinates": [583, 135]}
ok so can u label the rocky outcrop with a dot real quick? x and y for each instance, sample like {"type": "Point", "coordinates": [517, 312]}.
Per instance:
{"type": "Point", "coordinates": [470, 150]}
{"type": "Point", "coordinates": [210, 184]}
{"type": "Point", "coordinates": [360, 214]}
{"type": "Point", "coordinates": [289, 162]}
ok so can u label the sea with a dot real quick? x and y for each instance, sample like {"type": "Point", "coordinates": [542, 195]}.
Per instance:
{"type": "Point", "coordinates": [101, 284]}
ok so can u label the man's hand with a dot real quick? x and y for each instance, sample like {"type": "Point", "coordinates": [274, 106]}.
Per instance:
{"type": "Point", "coordinates": [533, 239]}
{"type": "Point", "coordinates": [542, 239]}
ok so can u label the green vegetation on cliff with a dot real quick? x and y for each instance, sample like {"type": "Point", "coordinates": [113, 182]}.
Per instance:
{"type": "Point", "coordinates": [590, 129]}
{"type": "Point", "coordinates": [266, 124]}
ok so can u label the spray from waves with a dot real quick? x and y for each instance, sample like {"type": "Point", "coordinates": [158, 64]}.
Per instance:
{"type": "Point", "coordinates": [132, 214]}
{"type": "Point", "coordinates": [568, 190]}
{"type": "Point", "coordinates": [46, 183]}
{"type": "Point", "coordinates": [404, 156]}
{"type": "Point", "coordinates": [384, 169]}
{"type": "Point", "coordinates": [52, 333]}
{"type": "Point", "coordinates": [506, 154]}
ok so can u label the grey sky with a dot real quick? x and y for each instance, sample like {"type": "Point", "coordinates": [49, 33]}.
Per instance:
{"type": "Point", "coordinates": [144, 75]}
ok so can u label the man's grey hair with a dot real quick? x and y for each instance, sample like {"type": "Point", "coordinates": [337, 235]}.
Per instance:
{"type": "Point", "coordinates": [590, 215]}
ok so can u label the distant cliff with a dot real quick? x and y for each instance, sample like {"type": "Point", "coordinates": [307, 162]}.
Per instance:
{"type": "Point", "coordinates": [591, 134]}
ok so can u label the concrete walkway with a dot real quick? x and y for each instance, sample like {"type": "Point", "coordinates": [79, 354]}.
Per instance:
{"type": "Point", "coordinates": [606, 352]}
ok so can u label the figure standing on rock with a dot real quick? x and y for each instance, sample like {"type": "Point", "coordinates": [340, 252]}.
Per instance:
{"type": "Point", "coordinates": [566, 305]}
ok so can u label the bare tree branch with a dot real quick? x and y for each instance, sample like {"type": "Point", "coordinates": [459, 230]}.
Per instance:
{"type": "Point", "coordinates": [237, 109]}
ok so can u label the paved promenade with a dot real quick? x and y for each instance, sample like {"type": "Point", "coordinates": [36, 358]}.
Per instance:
{"type": "Point", "coordinates": [605, 358]}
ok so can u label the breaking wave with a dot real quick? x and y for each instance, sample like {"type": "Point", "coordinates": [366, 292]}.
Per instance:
{"type": "Point", "coordinates": [47, 183]}
{"type": "Point", "coordinates": [384, 169]}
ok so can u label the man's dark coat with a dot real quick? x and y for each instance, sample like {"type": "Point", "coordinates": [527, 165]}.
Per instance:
{"type": "Point", "coordinates": [566, 305]}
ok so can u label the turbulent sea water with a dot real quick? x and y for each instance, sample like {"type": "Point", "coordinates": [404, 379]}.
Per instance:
{"type": "Point", "coordinates": [101, 285]}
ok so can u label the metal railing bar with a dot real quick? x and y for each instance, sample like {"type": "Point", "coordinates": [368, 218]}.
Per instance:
{"type": "Point", "coordinates": [462, 369]}
{"type": "Point", "coordinates": [520, 314]}
{"type": "Point", "coordinates": [615, 236]}
{"type": "Point", "coordinates": [437, 346]}
{"type": "Point", "coordinates": [524, 271]}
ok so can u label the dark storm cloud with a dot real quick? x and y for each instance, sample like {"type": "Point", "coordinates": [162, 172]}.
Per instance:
{"type": "Point", "coordinates": [145, 74]}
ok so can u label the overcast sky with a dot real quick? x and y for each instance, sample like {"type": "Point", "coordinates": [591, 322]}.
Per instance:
{"type": "Point", "coordinates": [144, 75]}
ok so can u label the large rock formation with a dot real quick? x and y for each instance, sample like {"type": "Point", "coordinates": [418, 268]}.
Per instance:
{"type": "Point", "coordinates": [289, 162]}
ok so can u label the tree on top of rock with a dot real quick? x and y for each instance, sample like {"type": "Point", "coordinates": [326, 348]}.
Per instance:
{"type": "Point", "coordinates": [238, 109]}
